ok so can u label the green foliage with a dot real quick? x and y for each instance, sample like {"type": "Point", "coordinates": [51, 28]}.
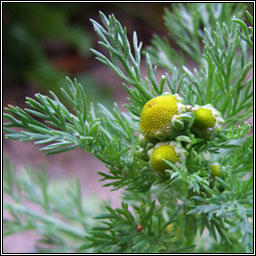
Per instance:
{"type": "Point", "coordinates": [247, 32]}
{"type": "Point", "coordinates": [64, 130]}
{"type": "Point", "coordinates": [34, 204]}
{"type": "Point", "coordinates": [125, 232]}
{"type": "Point", "coordinates": [185, 25]}
{"type": "Point", "coordinates": [188, 197]}
{"type": "Point", "coordinates": [126, 65]}
{"type": "Point", "coordinates": [228, 211]}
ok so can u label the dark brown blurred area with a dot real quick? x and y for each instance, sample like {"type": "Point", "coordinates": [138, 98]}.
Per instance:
{"type": "Point", "coordinates": [36, 59]}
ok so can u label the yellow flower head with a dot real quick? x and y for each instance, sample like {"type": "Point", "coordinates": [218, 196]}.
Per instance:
{"type": "Point", "coordinates": [157, 113]}
{"type": "Point", "coordinates": [163, 152]}
{"type": "Point", "coordinates": [171, 152]}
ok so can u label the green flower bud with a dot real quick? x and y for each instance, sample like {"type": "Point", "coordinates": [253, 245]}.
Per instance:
{"type": "Point", "coordinates": [169, 228]}
{"type": "Point", "coordinates": [215, 170]}
{"type": "Point", "coordinates": [207, 120]}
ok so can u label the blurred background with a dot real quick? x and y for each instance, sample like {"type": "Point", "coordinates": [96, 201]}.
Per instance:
{"type": "Point", "coordinates": [42, 44]}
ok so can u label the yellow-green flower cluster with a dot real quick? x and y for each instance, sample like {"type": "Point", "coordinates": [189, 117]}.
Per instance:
{"type": "Point", "coordinates": [165, 117]}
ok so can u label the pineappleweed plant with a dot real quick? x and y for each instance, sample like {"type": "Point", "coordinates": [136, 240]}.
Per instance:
{"type": "Point", "coordinates": [182, 151]}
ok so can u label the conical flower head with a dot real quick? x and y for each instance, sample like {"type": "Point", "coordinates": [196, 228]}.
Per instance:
{"type": "Point", "coordinates": [157, 114]}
